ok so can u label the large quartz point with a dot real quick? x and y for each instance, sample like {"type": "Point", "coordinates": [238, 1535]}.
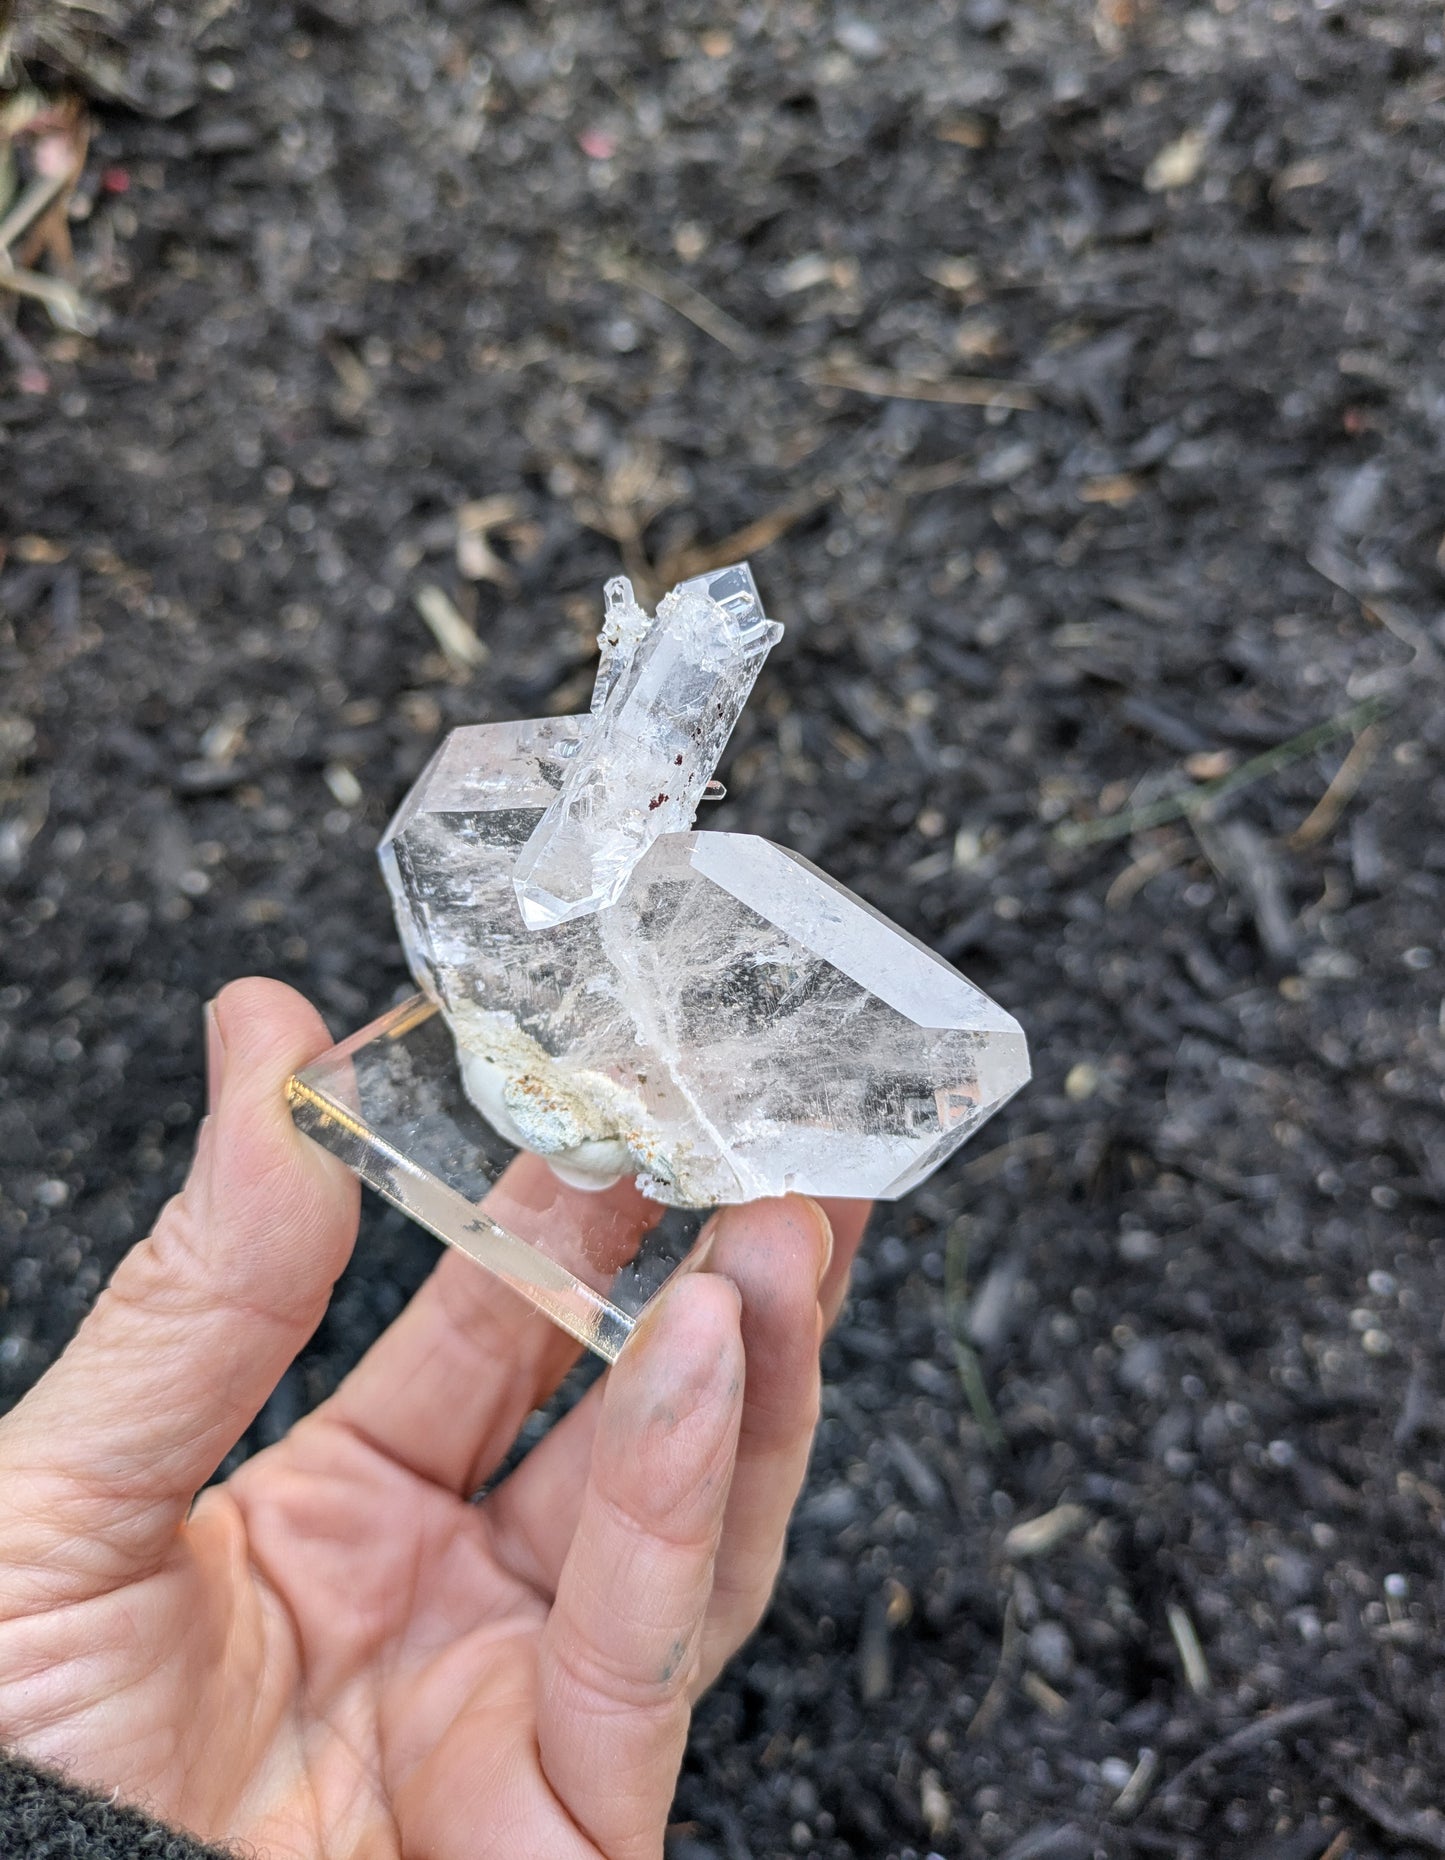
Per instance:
{"type": "Point", "coordinates": [734, 1024]}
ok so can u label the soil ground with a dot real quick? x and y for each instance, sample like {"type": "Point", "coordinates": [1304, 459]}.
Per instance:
{"type": "Point", "coordinates": [650, 275]}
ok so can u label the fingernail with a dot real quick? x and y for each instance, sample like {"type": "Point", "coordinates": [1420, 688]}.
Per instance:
{"type": "Point", "coordinates": [703, 1246]}
{"type": "Point", "coordinates": [684, 1352]}
{"type": "Point", "coordinates": [820, 1214]}
{"type": "Point", "coordinates": [215, 1057]}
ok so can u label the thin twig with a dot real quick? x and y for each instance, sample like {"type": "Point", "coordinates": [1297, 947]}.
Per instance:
{"type": "Point", "coordinates": [992, 1163]}
{"type": "Point", "coordinates": [1150, 864]}
{"type": "Point", "coordinates": [1341, 791]}
{"type": "Point", "coordinates": [1135, 1792]}
{"type": "Point", "coordinates": [970, 1371]}
{"type": "Point", "coordinates": [937, 477]}
{"type": "Point", "coordinates": [961, 391]}
{"type": "Point", "coordinates": [685, 299]}
{"type": "Point", "coordinates": [1342, 574]}
{"type": "Point", "coordinates": [1208, 794]}
{"type": "Point", "coordinates": [1250, 1737]}
{"type": "Point", "coordinates": [68, 309]}
{"type": "Point", "coordinates": [751, 539]}
{"type": "Point", "coordinates": [1425, 1826]}
{"type": "Point", "coordinates": [993, 1699]}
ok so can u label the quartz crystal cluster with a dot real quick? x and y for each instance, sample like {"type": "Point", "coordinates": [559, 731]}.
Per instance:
{"type": "Point", "coordinates": [705, 1012]}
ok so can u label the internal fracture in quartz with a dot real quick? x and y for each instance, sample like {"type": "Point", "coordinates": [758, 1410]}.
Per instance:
{"type": "Point", "coordinates": [705, 1011]}
{"type": "Point", "coordinates": [669, 691]}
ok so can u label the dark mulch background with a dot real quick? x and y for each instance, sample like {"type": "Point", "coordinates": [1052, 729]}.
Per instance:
{"type": "Point", "coordinates": [385, 258]}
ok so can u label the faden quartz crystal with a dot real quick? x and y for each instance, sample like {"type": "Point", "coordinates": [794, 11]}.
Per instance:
{"type": "Point", "coordinates": [706, 1013]}
{"type": "Point", "coordinates": [669, 691]}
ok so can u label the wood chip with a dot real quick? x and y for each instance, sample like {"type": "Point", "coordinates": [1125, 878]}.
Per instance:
{"type": "Point", "coordinates": [898, 1604]}
{"type": "Point", "coordinates": [345, 788]}
{"type": "Point", "coordinates": [1191, 1654]}
{"type": "Point", "coordinates": [960, 275]}
{"type": "Point", "coordinates": [1131, 1797]}
{"type": "Point", "coordinates": [967, 132]}
{"type": "Point", "coordinates": [937, 1809]}
{"type": "Point", "coordinates": [1037, 1536]}
{"type": "Point", "coordinates": [40, 549]}
{"type": "Point", "coordinates": [351, 373]}
{"type": "Point", "coordinates": [1052, 1703]}
{"type": "Point", "coordinates": [1119, 487]}
{"type": "Point", "coordinates": [464, 651]}
{"type": "Point", "coordinates": [1177, 164]}
{"type": "Point", "coordinates": [476, 558]}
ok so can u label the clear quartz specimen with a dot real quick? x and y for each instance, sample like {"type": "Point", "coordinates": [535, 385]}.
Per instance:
{"type": "Point", "coordinates": [563, 1102]}
{"type": "Point", "coordinates": [734, 1024]}
{"type": "Point", "coordinates": [669, 691]}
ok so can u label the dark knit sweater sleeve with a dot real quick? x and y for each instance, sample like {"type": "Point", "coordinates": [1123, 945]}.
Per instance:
{"type": "Point", "coordinates": [42, 1817]}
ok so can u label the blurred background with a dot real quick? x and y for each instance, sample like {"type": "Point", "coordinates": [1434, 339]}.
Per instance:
{"type": "Point", "coordinates": [1072, 374]}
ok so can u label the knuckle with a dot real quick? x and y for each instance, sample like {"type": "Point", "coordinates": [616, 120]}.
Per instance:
{"type": "Point", "coordinates": [610, 1682]}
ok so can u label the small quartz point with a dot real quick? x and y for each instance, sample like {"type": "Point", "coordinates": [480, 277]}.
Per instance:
{"type": "Point", "coordinates": [669, 690]}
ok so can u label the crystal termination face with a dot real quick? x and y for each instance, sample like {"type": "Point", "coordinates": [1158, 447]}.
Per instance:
{"type": "Point", "coordinates": [669, 691]}
{"type": "Point", "coordinates": [732, 1025]}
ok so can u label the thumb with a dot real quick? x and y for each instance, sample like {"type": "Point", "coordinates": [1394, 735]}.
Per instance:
{"type": "Point", "coordinates": [100, 1462]}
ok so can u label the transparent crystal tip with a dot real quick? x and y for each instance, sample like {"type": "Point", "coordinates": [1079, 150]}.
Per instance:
{"type": "Point", "coordinates": [670, 688]}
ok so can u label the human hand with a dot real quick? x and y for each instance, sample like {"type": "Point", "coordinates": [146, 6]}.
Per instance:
{"type": "Point", "coordinates": [334, 1653]}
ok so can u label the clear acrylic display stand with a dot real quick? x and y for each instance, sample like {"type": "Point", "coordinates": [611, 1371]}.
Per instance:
{"type": "Point", "coordinates": [389, 1102]}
